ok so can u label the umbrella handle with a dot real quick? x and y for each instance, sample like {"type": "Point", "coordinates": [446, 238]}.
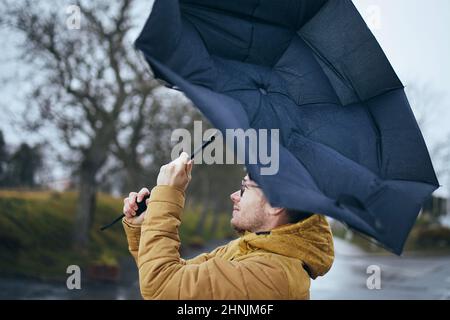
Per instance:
{"type": "Point", "coordinates": [142, 207]}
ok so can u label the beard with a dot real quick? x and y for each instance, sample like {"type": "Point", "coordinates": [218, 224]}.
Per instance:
{"type": "Point", "coordinates": [238, 230]}
{"type": "Point", "coordinates": [245, 226]}
{"type": "Point", "coordinates": [248, 221]}
{"type": "Point", "coordinates": [238, 227]}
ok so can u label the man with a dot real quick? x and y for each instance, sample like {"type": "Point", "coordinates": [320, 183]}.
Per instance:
{"type": "Point", "coordinates": [274, 258]}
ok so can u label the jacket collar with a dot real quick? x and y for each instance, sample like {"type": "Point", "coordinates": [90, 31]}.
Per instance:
{"type": "Point", "coordinates": [309, 241]}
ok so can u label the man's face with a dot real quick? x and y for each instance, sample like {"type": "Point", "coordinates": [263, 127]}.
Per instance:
{"type": "Point", "coordinates": [250, 208]}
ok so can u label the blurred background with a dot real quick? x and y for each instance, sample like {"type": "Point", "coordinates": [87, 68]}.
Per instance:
{"type": "Point", "coordinates": [83, 122]}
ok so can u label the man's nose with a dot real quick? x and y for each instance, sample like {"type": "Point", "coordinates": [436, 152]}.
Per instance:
{"type": "Point", "coordinates": [235, 197]}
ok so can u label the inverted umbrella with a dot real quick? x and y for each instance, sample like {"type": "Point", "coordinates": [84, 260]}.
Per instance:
{"type": "Point", "coordinates": [350, 147]}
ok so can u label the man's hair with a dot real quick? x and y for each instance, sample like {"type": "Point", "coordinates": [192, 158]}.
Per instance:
{"type": "Point", "coordinates": [295, 216]}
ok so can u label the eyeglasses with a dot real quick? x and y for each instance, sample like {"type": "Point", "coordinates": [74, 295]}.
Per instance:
{"type": "Point", "coordinates": [244, 185]}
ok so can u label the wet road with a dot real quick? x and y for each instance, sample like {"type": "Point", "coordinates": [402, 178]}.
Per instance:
{"type": "Point", "coordinates": [400, 278]}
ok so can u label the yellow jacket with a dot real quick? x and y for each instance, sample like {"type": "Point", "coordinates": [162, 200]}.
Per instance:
{"type": "Point", "coordinates": [278, 265]}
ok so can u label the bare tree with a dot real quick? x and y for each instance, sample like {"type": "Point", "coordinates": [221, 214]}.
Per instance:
{"type": "Point", "coordinates": [427, 105]}
{"type": "Point", "coordinates": [141, 151]}
{"type": "Point", "coordinates": [3, 159]}
{"type": "Point", "coordinates": [111, 118]}
{"type": "Point", "coordinates": [88, 84]}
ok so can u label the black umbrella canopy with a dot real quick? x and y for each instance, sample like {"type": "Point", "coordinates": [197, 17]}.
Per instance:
{"type": "Point", "coordinates": [350, 147]}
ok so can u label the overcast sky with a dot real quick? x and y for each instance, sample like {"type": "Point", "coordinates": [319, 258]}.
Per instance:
{"type": "Point", "coordinates": [415, 36]}
{"type": "Point", "coordinates": [413, 33]}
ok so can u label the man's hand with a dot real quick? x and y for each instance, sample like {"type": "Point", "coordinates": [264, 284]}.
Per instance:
{"type": "Point", "coordinates": [177, 173]}
{"type": "Point", "coordinates": [130, 207]}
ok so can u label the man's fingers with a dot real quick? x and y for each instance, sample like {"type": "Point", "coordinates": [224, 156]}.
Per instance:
{"type": "Point", "coordinates": [141, 195]}
{"type": "Point", "coordinates": [126, 211]}
{"type": "Point", "coordinates": [184, 157]}
{"type": "Point", "coordinates": [132, 196]}
{"type": "Point", "coordinates": [179, 165]}
{"type": "Point", "coordinates": [132, 200]}
{"type": "Point", "coordinates": [177, 173]}
{"type": "Point", "coordinates": [189, 167]}
{"type": "Point", "coordinates": [126, 208]}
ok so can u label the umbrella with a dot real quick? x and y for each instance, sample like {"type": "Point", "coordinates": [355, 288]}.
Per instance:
{"type": "Point", "coordinates": [350, 147]}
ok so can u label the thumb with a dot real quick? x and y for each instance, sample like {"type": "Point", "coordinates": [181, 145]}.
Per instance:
{"type": "Point", "coordinates": [189, 167]}
{"type": "Point", "coordinates": [184, 157]}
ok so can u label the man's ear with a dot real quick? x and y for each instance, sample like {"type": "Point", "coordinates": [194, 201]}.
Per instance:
{"type": "Point", "coordinates": [276, 211]}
